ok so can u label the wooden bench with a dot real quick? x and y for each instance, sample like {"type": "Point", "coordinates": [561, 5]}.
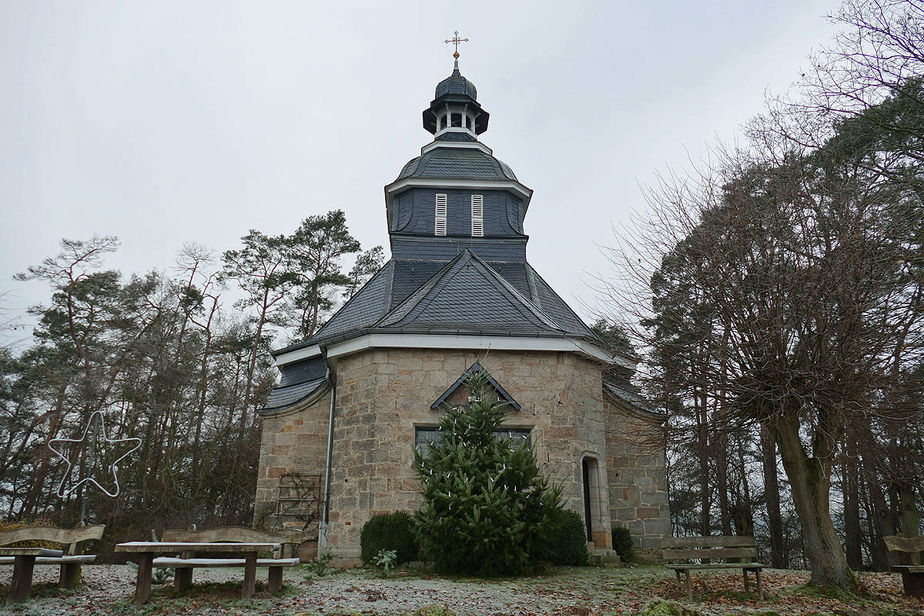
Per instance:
{"type": "Point", "coordinates": [711, 549]}
{"type": "Point", "coordinates": [70, 561]}
{"type": "Point", "coordinates": [184, 565]}
{"type": "Point", "coordinates": [906, 550]}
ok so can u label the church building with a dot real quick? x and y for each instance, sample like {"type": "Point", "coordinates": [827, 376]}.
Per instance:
{"type": "Point", "coordinates": [458, 295]}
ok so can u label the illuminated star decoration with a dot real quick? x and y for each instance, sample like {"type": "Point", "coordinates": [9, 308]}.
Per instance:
{"type": "Point", "coordinates": [114, 467]}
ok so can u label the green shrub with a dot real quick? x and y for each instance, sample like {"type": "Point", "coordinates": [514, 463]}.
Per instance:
{"type": "Point", "coordinates": [623, 544]}
{"type": "Point", "coordinates": [566, 538]}
{"type": "Point", "coordinates": [390, 531]}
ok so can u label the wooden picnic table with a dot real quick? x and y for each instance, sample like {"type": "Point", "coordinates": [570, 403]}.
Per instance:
{"type": "Point", "coordinates": [23, 565]}
{"type": "Point", "coordinates": [146, 550]}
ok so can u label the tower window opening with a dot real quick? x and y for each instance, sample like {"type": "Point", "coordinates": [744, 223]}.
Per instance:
{"type": "Point", "coordinates": [477, 215]}
{"type": "Point", "coordinates": [440, 215]}
{"type": "Point", "coordinates": [456, 120]}
{"type": "Point", "coordinates": [442, 122]}
{"type": "Point", "coordinates": [468, 121]}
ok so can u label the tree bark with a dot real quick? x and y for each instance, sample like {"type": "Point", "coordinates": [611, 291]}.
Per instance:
{"type": "Point", "coordinates": [772, 493]}
{"type": "Point", "coordinates": [851, 489]}
{"type": "Point", "coordinates": [811, 482]}
{"type": "Point", "coordinates": [705, 499]}
{"type": "Point", "coordinates": [885, 525]}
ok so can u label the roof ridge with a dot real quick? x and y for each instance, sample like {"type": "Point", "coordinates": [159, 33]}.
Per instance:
{"type": "Point", "coordinates": [411, 300]}
{"type": "Point", "coordinates": [349, 301]}
{"type": "Point", "coordinates": [563, 302]}
{"type": "Point", "coordinates": [538, 312]}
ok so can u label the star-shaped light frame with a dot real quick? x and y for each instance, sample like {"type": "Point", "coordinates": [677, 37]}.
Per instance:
{"type": "Point", "coordinates": [114, 467]}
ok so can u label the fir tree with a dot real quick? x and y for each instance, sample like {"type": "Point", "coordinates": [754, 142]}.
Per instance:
{"type": "Point", "coordinates": [487, 509]}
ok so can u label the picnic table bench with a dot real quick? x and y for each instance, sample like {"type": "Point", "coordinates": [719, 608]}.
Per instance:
{"type": "Point", "coordinates": [185, 549]}
{"type": "Point", "coordinates": [716, 547]}
{"type": "Point", "coordinates": [24, 559]}
{"type": "Point", "coordinates": [907, 549]}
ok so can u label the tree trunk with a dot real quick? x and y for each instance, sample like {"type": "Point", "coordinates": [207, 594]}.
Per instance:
{"type": "Point", "coordinates": [885, 525]}
{"type": "Point", "coordinates": [705, 500]}
{"type": "Point", "coordinates": [910, 518]}
{"type": "Point", "coordinates": [811, 483]}
{"type": "Point", "coordinates": [772, 493]}
{"type": "Point", "coordinates": [851, 489]}
{"type": "Point", "coordinates": [721, 480]}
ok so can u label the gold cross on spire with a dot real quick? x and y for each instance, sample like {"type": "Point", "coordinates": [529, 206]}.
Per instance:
{"type": "Point", "coordinates": [456, 40]}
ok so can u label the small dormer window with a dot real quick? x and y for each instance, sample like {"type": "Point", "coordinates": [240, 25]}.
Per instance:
{"type": "Point", "coordinates": [440, 215]}
{"type": "Point", "coordinates": [477, 216]}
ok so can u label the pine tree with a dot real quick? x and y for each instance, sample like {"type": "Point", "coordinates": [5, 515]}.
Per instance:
{"type": "Point", "coordinates": [487, 509]}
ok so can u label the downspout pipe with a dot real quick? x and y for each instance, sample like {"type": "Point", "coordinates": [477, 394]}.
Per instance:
{"type": "Point", "coordinates": [331, 379]}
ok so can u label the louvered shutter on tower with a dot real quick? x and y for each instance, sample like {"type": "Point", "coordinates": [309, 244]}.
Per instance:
{"type": "Point", "coordinates": [440, 227]}
{"type": "Point", "coordinates": [477, 216]}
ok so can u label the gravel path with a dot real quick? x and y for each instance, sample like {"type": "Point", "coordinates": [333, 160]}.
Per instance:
{"type": "Point", "coordinates": [108, 589]}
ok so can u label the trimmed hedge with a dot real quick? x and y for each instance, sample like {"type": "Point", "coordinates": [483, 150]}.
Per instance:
{"type": "Point", "coordinates": [566, 538]}
{"type": "Point", "coordinates": [389, 531]}
{"type": "Point", "coordinates": [623, 544]}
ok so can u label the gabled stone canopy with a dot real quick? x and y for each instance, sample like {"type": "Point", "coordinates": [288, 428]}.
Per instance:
{"type": "Point", "coordinates": [473, 369]}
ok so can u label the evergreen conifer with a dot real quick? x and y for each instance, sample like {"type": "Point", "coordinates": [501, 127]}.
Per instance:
{"type": "Point", "coordinates": [487, 509]}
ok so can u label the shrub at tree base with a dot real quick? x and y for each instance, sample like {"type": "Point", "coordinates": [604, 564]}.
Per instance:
{"type": "Point", "coordinates": [486, 508]}
{"type": "Point", "coordinates": [566, 538]}
{"type": "Point", "coordinates": [391, 531]}
{"type": "Point", "coordinates": [623, 544]}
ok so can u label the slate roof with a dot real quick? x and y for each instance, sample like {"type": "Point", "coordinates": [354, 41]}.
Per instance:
{"type": "Point", "coordinates": [456, 163]}
{"type": "Point", "coordinates": [456, 84]}
{"type": "Point", "coordinates": [466, 295]}
{"type": "Point", "coordinates": [282, 397]}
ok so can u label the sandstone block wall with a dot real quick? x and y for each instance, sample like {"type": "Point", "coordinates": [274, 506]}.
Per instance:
{"type": "Point", "coordinates": [293, 442]}
{"type": "Point", "coordinates": [638, 477]}
{"type": "Point", "coordinates": [384, 394]}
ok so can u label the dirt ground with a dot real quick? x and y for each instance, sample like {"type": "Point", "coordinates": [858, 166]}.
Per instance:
{"type": "Point", "coordinates": [585, 591]}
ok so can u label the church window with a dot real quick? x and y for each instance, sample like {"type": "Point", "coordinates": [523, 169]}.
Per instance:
{"type": "Point", "coordinates": [477, 216]}
{"type": "Point", "coordinates": [425, 437]}
{"type": "Point", "coordinates": [440, 215]}
{"type": "Point", "coordinates": [442, 122]}
{"type": "Point", "coordinates": [468, 121]}
{"type": "Point", "coordinates": [456, 120]}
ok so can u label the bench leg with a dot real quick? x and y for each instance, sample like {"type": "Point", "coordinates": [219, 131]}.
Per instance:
{"type": "Point", "coordinates": [21, 586]}
{"type": "Point", "coordinates": [250, 575]}
{"type": "Point", "coordinates": [760, 588]}
{"type": "Point", "coordinates": [143, 585]}
{"type": "Point", "coordinates": [913, 584]}
{"type": "Point", "coordinates": [689, 587]}
{"type": "Point", "coordinates": [275, 579]}
{"type": "Point", "coordinates": [182, 578]}
{"type": "Point", "coordinates": [747, 587]}
{"type": "Point", "coordinates": [70, 575]}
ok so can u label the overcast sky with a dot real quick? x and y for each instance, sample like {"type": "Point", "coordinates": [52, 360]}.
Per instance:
{"type": "Point", "coordinates": [166, 122]}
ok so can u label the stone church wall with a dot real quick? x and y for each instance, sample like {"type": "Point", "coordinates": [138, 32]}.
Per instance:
{"type": "Point", "coordinates": [384, 394]}
{"type": "Point", "coordinates": [293, 443]}
{"type": "Point", "coordinates": [638, 477]}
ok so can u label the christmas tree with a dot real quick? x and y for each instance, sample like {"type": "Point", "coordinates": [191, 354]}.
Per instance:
{"type": "Point", "coordinates": [487, 510]}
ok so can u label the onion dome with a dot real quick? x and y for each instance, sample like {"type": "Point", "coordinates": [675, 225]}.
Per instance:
{"type": "Point", "coordinates": [456, 84]}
